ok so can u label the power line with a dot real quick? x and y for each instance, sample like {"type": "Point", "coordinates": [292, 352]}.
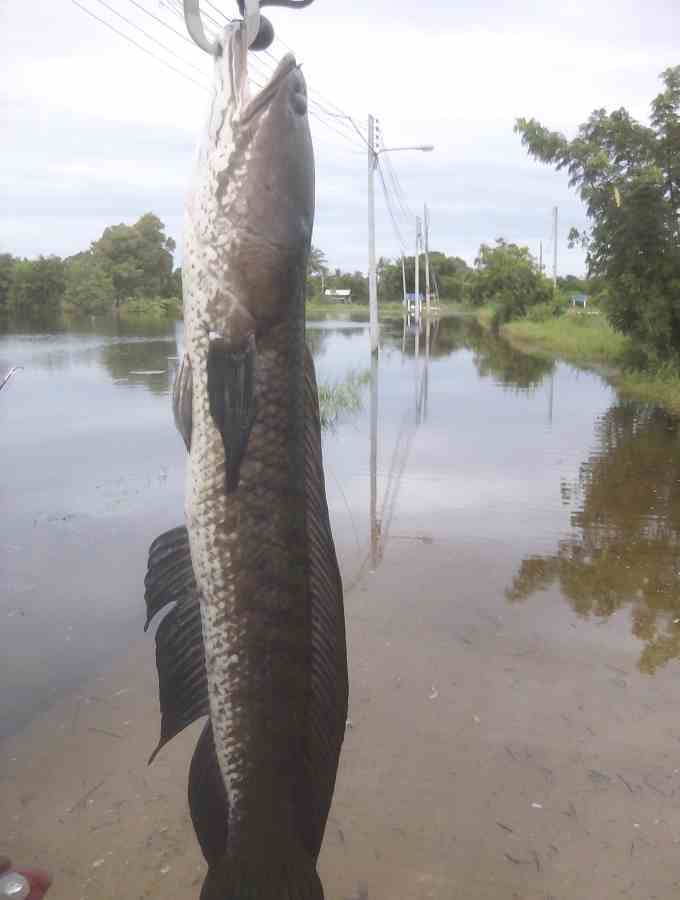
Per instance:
{"type": "Point", "coordinates": [162, 22]}
{"type": "Point", "coordinates": [402, 200]}
{"type": "Point", "coordinates": [341, 114]}
{"type": "Point", "coordinates": [257, 83]}
{"type": "Point", "coordinates": [148, 36]}
{"type": "Point", "coordinates": [138, 45]}
{"type": "Point", "coordinates": [390, 210]}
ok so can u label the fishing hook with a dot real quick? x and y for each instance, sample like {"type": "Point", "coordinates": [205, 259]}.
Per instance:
{"type": "Point", "coordinates": [194, 23]}
{"type": "Point", "coordinates": [259, 30]}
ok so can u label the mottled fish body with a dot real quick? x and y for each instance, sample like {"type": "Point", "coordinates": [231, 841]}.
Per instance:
{"type": "Point", "coordinates": [257, 637]}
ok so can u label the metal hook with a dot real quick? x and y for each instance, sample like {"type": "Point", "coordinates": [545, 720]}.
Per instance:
{"type": "Point", "coordinates": [194, 23]}
{"type": "Point", "coordinates": [259, 32]}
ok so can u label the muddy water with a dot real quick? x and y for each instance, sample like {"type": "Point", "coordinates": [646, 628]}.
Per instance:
{"type": "Point", "coordinates": [508, 534]}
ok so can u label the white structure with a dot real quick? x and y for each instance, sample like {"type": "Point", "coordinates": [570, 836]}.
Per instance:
{"type": "Point", "coordinates": [339, 295]}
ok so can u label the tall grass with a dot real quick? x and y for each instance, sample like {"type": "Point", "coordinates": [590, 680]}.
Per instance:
{"type": "Point", "coordinates": [580, 338]}
{"type": "Point", "coordinates": [339, 399]}
{"type": "Point", "coordinates": [590, 340]}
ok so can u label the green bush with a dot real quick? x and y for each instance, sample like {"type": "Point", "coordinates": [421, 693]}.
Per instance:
{"type": "Point", "coordinates": [152, 308]}
{"type": "Point", "coordinates": [541, 312]}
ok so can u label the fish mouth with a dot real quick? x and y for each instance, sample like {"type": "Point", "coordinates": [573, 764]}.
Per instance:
{"type": "Point", "coordinates": [262, 99]}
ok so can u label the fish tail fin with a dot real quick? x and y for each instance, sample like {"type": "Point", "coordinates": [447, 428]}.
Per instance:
{"type": "Point", "coordinates": [290, 873]}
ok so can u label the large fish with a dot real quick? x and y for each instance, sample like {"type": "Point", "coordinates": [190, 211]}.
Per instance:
{"type": "Point", "coordinates": [257, 637]}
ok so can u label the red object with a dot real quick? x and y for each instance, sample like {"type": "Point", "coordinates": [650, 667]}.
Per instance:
{"type": "Point", "coordinates": [38, 879]}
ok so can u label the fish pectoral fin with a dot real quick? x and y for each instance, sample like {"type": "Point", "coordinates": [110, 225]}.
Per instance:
{"type": "Point", "coordinates": [231, 393]}
{"type": "Point", "coordinates": [180, 657]}
{"type": "Point", "coordinates": [182, 399]}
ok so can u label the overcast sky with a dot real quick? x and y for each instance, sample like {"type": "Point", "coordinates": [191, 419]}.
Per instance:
{"type": "Point", "coordinates": [97, 132]}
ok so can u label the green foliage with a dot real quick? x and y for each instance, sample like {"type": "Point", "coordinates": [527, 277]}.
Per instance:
{"type": "Point", "coordinates": [152, 308]}
{"type": "Point", "coordinates": [628, 175]}
{"type": "Point", "coordinates": [89, 286]}
{"type": "Point", "coordinates": [36, 289]}
{"type": "Point", "coordinates": [451, 274]}
{"type": "Point", "coordinates": [337, 400]}
{"type": "Point", "coordinates": [541, 312]}
{"type": "Point", "coordinates": [508, 277]}
{"type": "Point", "coordinates": [7, 263]}
{"type": "Point", "coordinates": [138, 258]}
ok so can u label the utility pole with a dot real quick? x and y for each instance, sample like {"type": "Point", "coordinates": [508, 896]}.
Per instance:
{"type": "Point", "coordinates": [418, 267]}
{"type": "Point", "coordinates": [403, 279]}
{"type": "Point", "coordinates": [372, 278]}
{"type": "Point", "coordinates": [555, 247]}
{"type": "Point", "coordinates": [540, 257]}
{"type": "Point", "coordinates": [427, 260]}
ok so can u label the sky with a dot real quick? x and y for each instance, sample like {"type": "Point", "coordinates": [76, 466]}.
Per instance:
{"type": "Point", "coordinates": [95, 131]}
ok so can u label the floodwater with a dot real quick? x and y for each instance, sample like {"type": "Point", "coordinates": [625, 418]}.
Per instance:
{"type": "Point", "coordinates": [508, 530]}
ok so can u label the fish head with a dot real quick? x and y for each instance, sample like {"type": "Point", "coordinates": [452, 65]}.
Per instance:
{"type": "Point", "coordinates": [263, 180]}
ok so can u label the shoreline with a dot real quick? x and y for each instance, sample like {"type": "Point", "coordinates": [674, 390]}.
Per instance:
{"type": "Point", "coordinates": [550, 340]}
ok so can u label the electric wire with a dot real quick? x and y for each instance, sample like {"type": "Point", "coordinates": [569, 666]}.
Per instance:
{"type": "Point", "coordinates": [321, 106]}
{"type": "Point", "coordinates": [149, 36]}
{"type": "Point", "coordinates": [139, 46]}
{"type": "Point", "coordinates": [252, 79]}
{"type": "Point", "coordinates": [390, 210]}
{"type": "Point", "coordinates": [162, 22]}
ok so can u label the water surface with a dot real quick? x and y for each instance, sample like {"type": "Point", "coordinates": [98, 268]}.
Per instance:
{"type": "Point", "coordinates": [508, 532]}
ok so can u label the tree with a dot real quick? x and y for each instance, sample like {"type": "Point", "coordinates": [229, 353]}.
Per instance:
{"type": "Point", "coordinates": [7, 263]}
{"type": "Point", "coordinates": [138, 258]}
{"type": "Point", "coordinates": [317, 270]}
{"type": "Point", "coordinates": [89, 285]}
{"type": "Point", "coordinates": [628, 175]}
{"type": "Point", "coordinates": [508, 276]}
{"type": "Point", "coordinates": [37, 289]}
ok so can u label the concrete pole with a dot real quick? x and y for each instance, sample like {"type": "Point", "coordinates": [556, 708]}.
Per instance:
{"type": "Point", "coordinates": [418, 267]}
{"type": "Point", "coordinates": [372, 278]}
{"type": "Point", "coordinates": [373, 466]}
{"type": "Point", "coordinates": [403, 279]}
{"type": "Point", "coordinates": [555, 247]}
{"type": "Point", "coordinates": [427, 260]}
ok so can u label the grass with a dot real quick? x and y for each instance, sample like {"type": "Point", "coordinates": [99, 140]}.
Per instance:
{"type": "Point", "coordinates": [589, 341]}
{"type": "Point", "coordinates": [337, 400]}
{"type": "Point", "coordinates": [579, 338]}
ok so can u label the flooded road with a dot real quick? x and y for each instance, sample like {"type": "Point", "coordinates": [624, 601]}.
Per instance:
{"type": "Point", "coordinates": [508, 533]}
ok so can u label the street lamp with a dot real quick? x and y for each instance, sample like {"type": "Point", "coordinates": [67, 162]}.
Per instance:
{"type": "Point", "coordinates": [372, 276]}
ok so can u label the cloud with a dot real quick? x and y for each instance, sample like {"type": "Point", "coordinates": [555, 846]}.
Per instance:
{"type": "Point", "coordinates": [100, 132]}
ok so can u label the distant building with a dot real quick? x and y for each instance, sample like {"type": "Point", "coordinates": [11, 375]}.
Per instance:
{"type": "Point", "coordinates": [579, 300]}
{"type": "Point", "coordinates": [338, 295]}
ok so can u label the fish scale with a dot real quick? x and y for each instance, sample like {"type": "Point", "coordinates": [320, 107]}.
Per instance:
{"type": "Point", "coordinates": [257, 637]}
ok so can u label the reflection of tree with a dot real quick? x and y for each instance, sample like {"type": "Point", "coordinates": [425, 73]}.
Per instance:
{"type": "Point", "coordinates": [627, 547]}
{"type": "Point", "coordinates": [493, 356]}
{"type": "Point", "coordinates": [122, 358]}
{"type": "Point", "coordinates": [496, 358]}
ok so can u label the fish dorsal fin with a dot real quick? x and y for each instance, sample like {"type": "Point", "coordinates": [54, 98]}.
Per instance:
{"type": "Point", "coordinates": [180, 658]}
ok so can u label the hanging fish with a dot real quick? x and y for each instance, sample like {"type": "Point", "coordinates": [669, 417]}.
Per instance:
{"type": "Point", "coordinates": [256, 640]}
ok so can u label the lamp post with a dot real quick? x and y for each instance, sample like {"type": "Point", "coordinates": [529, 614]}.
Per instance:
{"type": "Point", "coordinates": [373, 154]}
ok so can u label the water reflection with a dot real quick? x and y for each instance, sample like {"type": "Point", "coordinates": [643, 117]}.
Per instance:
{"type": "Point", "coordinates": [625, 550]}
{"type": "Point", "coordinates": [418, 338]}
{"type": "Point", "coordinates": [149, 363]}
{"type": "Point", "coordinates": [496, 358]}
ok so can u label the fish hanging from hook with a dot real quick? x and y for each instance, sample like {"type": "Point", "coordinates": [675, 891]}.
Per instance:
{"type": "Point", "coordinates": [259, 30]}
